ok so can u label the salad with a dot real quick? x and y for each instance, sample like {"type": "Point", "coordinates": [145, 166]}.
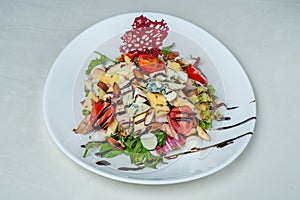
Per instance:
{"type": "Point", "coordinates": [146, 102]}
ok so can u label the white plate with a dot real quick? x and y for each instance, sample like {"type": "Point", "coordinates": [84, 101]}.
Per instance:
{"type": "Point", "coordinates": [64, 89]}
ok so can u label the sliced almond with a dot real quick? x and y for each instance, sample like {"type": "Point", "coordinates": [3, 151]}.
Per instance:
{"type": "Point", "coordinates": [175, 66]}
{"type": "Point", "coordinates": [149, 117]}
{"type": "Point", "coordinates": [180, 62]}
{"type": "Point", "coordinates": [202, 133]}
{"type": "Point", "coordinates": [138, 74]}
{"type": "Point", "coordinates": [111, 129]}
{"type": "Point", "coordinates": [123, 134]}
{"type": "Point", "coordinates": [103, 86]}
{"type": "Point", "coordinates": [114, 143]}
{"type": "Point", "coordinates": [116, 89]}
{"type": "Point", "coordinates": [192, 132]}
{"type": "Point", "coordinates": [154, 126]}
{"type": "Point", "coordinates": [172, 55]}
{"type": "Point", "coordinates": [97, 73]}
{"type": "Point", "coordinates": [167, 128]}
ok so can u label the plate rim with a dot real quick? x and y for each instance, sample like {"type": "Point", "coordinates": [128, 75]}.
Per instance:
{"type": "Point", "coordinates": [112, 176]}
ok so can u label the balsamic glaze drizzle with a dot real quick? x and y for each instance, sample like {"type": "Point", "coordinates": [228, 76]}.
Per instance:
{"type": "Point", "coordinates": [234, 125]}
{"type": "Point", "coordinates": [227, 118]}
{"type": "Point", "coordinates": [218, 145]}
{"type": "Point", "coordinates": [232, 108]}
{"type": "Point", "coordinates": [130, 168]}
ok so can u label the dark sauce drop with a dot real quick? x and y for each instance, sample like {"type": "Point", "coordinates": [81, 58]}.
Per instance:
{"type": "Point", "coordinates": [103, 163]}
{"type": "Point", "coordinates": [130, 168]}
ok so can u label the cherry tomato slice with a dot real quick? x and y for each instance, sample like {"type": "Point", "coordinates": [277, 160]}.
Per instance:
{"type": "Point", "coordinates": [101, 115]}
{"type": "Point", "coordinates": [181, 119]}
{"type": "Point", "coordinates": [150, 63]}
{"type": "Point", "coordinates": [194, 74]}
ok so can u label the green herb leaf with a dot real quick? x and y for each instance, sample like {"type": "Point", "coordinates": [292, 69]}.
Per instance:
{"type": "Point", "coordinates": [86, 91]}
{"type": "Point", "coordinates": [104, 57]}
{"type": "Point", "coordinates": [139, 155]}
{"type": "Point", "coordinates": [205, 125]}
{"type": "Point", "coordinates": [165, 50]}
{"type": "Point", "coordinates": [194, 99]}
{"type": "Point", "coordinates": [85, 112]}
{"type": "Point", "coordinates": [98, 61]}
{"type": "Point", "coordinates": [204, 97]}
{"type": "Point", "coordinates": [90, 145]}
{"type": "Point", "coordinates": [113, 153]}
{"type": "Point", "coordinates": [211, 89]}
{"type": "Point", "coordinates": [161, 138]}
{"type": "Point", "coordinates": [106, 147]}
{"type": "Point", "coordinates": [200, 89]}
{"type": "Point", "coordinates": [127, 151]}
{"type": "Point", "coordinates": [218, 115]}
{"type": "Point", "coordinates": [108, 151]}
{"type": "Point", "coordinates": [95, 62]}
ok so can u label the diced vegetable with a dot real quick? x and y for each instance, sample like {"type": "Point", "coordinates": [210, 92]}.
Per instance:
{"type": "Point", "coordinates": [174, 65]}
{"type": "Point", "coordinates": [202, 133]}
{"type": "Point", "coordinates": [181, 120]}
{"type": "Point", "coordinates": [194, 74]}
{"type": "Point", "coordinates": [150, 63]}
{"type": "Point", "coordinates": [101, 115]}
{"type": "Point", "coordinates": [171, 144]}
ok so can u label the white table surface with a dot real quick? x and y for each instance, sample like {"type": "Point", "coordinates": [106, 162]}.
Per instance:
{"type": "Point", "coordinates": [264, 36]}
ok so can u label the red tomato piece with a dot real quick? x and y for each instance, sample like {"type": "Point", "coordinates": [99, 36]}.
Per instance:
{"type": "Point", "coordinates": [150, 63]}
{"type": "Point", "coordinates": [131, 55]}
{"type": "Point", "coordinates": [181, 119]}
{"type": "Point", "coordinates": [101, 115]}
{"type": "Point", "coordinates": [194, 74]}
